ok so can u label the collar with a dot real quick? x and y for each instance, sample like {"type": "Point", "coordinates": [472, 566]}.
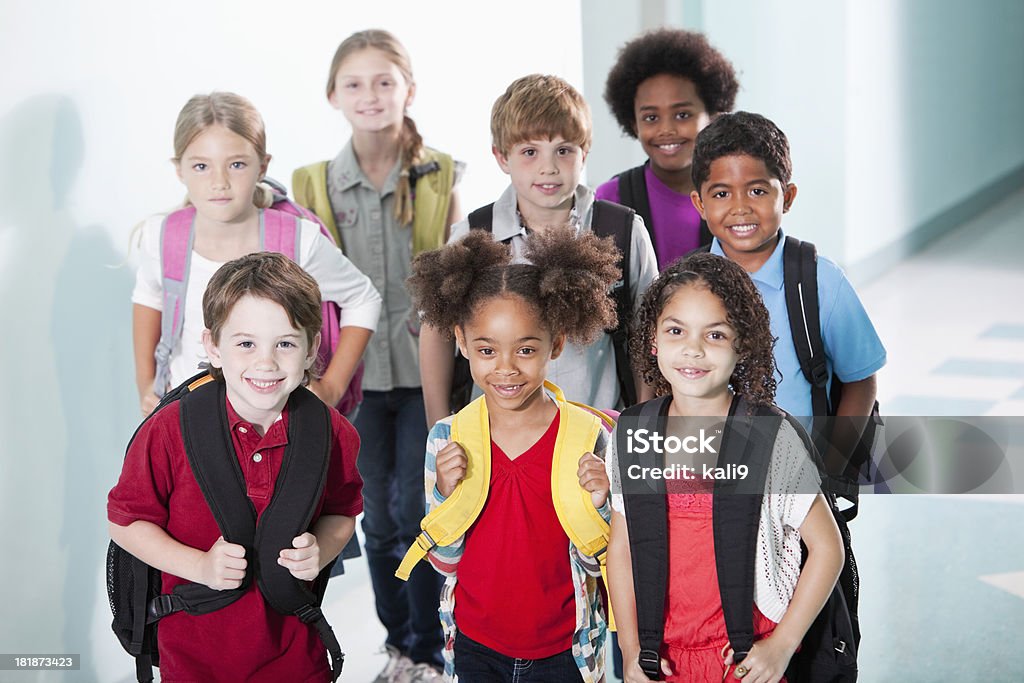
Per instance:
{"type": "Point", "coordinates": [769, 274]}
{"type": "Point", "coordinates": [235, 421]}
{"type": "Point", "coordinates": [508, 223]}
{"type": "Point", "coordinates": [344, 172]}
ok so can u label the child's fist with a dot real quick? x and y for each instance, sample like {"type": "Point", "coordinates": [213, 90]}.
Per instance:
{"type": "Point", "coordinates": [222, 567]}
{"type": "Point", "coordinates": [303, 561]}
{"type": "Point", "coordinates": [593, 478]}
{"type": "Point", "coordinates": [451, 465]}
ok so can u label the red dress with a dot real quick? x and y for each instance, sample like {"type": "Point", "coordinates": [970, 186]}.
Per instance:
{"type": "Point", "coordinates": [695, 632]}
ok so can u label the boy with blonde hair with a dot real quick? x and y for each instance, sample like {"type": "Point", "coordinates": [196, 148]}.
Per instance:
{"type": "Point", "coordinates": [541, 133]}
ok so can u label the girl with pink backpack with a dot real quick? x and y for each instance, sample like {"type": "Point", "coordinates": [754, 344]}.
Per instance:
{"type": "Point", "coordinates": [220, 156]}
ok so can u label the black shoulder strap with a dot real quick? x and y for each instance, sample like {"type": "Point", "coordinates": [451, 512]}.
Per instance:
{"type": "Point", "coordinates": [800, 276]}
{"type": "Point", "coordinates": [633, 193]}
{"type": "Point", "coordinates": [297, 492]}
{"type": "Point", "coordinates": [482, 218]}
{"type": "Point", "coordinates": [748, 440]}
{"type": "Point", "coordinates": [647, 522]}
{"type": "Point", "coordinates": [615, 220]}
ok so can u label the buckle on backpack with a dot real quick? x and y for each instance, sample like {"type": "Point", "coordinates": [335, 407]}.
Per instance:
{"type": "Point", "coordinates": [161, 606]}
{"type": "Point", "coordinates": [309, 613]}
{"type": "Point", "coordinates": [819, 374]}
{"type": "Point", "coordinates": [650, 663]}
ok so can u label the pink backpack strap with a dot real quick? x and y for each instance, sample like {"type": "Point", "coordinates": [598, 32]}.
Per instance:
{"type": "Point", "coordinates": [279, 232]}
{"type": "Point", "coordinates": [177, 235]}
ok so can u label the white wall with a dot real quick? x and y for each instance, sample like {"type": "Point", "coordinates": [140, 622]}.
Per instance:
{"type": "Point", "coordinates": [89, 96]}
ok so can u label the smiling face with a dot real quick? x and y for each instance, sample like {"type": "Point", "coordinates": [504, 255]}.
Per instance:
{"type": "Point", "coordinates": [669, 114]}
{"type": "Point", "coordinates": [696, 351]}
{"type": "Point", "coordinates": [545, 174]}
{"type": "Point", "coordinates": [263, 358]}
{"type": "Point", "coordinates": [508, 349]}
{"type": "Point", "coordinates": [743, 204]}
{"type": "Point", "coordinates": [371, 91]}
{"type": "Point", "coordinates": [220, 170]}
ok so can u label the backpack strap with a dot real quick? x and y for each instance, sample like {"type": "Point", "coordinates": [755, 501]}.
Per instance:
{"type": "Point", "coordinates": [633, 193]}
{"type": "Point", "coordinates": [646, 513]}
{"type": "Point", "coordinates": [177, 235]}
{"type": "Point", "coordinates": [610, 219]}
{"type": "Point", "coordinates": [749, 440]}
{"type": "Point", "coordinates": [482, 218]}
{"type": "Point", "coordinates": [431, 182]}
{"type": "Point", "coordinates": [310, 186]}
{"type": "Point", "coordinates": [297, 492]}
{"type": "Point", "coordinates": [279, 231]}
{"type": "Point", "coordinates": [800, 276]}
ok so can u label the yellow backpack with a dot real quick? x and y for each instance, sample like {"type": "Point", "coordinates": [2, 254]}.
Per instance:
{"type": "Point", "coordinates": [433, 190]}
{"type": "Point", "coordinates": [578, 428]}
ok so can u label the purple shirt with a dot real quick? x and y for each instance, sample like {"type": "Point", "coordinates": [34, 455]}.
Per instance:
{"type": "Point", "coordinates": [676, 224]}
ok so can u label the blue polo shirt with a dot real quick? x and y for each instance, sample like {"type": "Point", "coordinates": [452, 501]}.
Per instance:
{"type": "Point", "coordinates": [853, 350]}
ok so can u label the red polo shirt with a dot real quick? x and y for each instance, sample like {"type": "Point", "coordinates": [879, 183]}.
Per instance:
{"type": "Point", "coordinates": [247, 640]}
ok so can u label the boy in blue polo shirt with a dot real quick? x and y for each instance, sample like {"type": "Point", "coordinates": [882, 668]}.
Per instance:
{"type": "Point", "coordinates": [741, 172]}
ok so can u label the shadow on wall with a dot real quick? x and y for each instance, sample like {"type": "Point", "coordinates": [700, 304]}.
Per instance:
{"type": "Point", "coordinates": [68, 407]}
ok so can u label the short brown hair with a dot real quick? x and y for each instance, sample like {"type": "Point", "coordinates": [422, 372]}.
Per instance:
{"type": "Point", "coordinates": [539, 107]}
{"type": "Point", "coordinates": [264, 275]}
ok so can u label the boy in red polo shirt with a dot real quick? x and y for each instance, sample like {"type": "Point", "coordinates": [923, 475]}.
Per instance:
{"type": "Point", "coordinates": [262, 314]}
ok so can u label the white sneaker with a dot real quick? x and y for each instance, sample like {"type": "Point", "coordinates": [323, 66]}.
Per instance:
{"type": "Point", "coordinates": [397, 666]}
{"type": "Point", "coordinates": [421, 673]}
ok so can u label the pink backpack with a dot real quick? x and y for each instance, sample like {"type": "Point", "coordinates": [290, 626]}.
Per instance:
{"type": "Point", "coordinates": [279, 232]}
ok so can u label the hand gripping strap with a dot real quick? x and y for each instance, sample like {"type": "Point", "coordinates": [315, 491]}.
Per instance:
{"type": "Point", "coordinates": [177, 235]}
{"type": "Point", "coordinates": [450, 520]}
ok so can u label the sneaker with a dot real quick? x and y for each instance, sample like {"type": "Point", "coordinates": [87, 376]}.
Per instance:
{"type": "Point", "coordinates": [421, 673]}
{"type": "Point", "coordinates": [397, 666]}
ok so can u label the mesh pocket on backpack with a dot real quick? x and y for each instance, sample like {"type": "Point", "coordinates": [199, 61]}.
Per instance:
{"type": "Point", "coordinates": [124, 572]}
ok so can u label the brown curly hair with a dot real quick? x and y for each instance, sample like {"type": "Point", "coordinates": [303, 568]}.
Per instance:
{"type": "Point", "coordinates": [566, 281]}
{"type": "Point", "coordinates": [754, 374]}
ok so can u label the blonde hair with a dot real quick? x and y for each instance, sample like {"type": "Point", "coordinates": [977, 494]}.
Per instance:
{"type": "Point", "coordinates": [538, 107]}
{"type": "Point", "coordinates": [231, 111]}
{"type": "Point", "coordinates": [410, 140]}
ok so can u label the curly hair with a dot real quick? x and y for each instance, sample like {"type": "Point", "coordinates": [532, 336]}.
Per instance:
{"type": "Point", "coordinates": [741, 133]}
{"type": "Point", "coordinates": [669, 51]}
{"type": "Point", "coordinates": [754, 374]}
{"type": "Point", "coordinates": [565, 281]}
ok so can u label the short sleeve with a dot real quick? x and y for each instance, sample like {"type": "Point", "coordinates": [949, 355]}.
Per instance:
{"type": "Point", "coordinates": [339, 279]}
{"type": "Point", "coordinates": [850, 339]}
{"type": "Point", "coordinates": [793, 478]}
{"type": "Point", "coordinates": [144, 487]}
{"type": "Point", "coordinates": [611, 466]}
{"type": "Point", "coordinates": [343, 490]}
{"type": "Point", "coordinates": [149, 277]}
{"type": "Point", "coordinates": [643, 265]}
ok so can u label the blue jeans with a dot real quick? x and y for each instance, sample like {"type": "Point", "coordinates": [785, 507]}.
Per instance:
{"type": "Point", "coordinates": [392, 428]}
{"type": "Point", "coordinates": [477, 663]}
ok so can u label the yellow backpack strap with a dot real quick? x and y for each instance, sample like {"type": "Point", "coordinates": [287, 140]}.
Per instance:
{"type": "Point", "coordinates": [584, 525]}
{"type": "Point", "coordinates": [433, 200]}
{"type": "Point", "coordinates": [309, 185]}
{"type": "Point", "coordinates": [451, 519]}
{"type": "Point", "coordinates": [577, 432]}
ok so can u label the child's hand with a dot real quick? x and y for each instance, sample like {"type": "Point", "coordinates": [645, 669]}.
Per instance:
{"type": "Point", "coordinates": [766, 662]}
{"type": "Point", "coordinates": [222, 567]}
{"type": "Point", "coordinates": [451, 464]}
{"type": "Point", "coordinates": [632, 673]}
{"type": "Point", "coordinates": [304, 561]}
{"type": "Point", "coordinates": [593, 478]}
{"type": "Point", "coordinates": [148, 403]}
{"type": "Point", "coordinates": [326, 392]}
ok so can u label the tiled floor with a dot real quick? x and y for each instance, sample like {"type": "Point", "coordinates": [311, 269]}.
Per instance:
{"type": "Point", "coordinates": [942, 576]}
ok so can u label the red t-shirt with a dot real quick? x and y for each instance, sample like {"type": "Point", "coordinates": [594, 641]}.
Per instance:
{"type": "Point", "coordinates": [514, 592]}
{"type": "Point", "coordinates": [247, 640]}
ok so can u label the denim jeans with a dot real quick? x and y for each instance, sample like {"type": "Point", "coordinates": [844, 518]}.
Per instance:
{"type": "Point", "coordinates": [392, 428]}
{"type": "Point", "coordinates": [477, 663]}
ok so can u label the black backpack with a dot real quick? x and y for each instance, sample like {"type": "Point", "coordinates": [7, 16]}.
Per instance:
{"type": "Point", "coordinates": [800, 277]}
{"type": "Point", "coordinates": [133, 586]}
{"type": "Point", "coordinates": [609, 219]}
{"type": "Point", "coordinates": [633, 193]}
{"type": "Point", "coordinates": [828, 652]}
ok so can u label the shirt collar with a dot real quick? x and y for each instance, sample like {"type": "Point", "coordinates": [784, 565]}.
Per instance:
{"type": "Point", "coordinates": [770, 274]}
{"type": "Point", "coordinates": [235, 421]}
{"type": "Point", "coordinates": [345, 173]}
{"type": "Point", "coordinates": [507, 222]}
